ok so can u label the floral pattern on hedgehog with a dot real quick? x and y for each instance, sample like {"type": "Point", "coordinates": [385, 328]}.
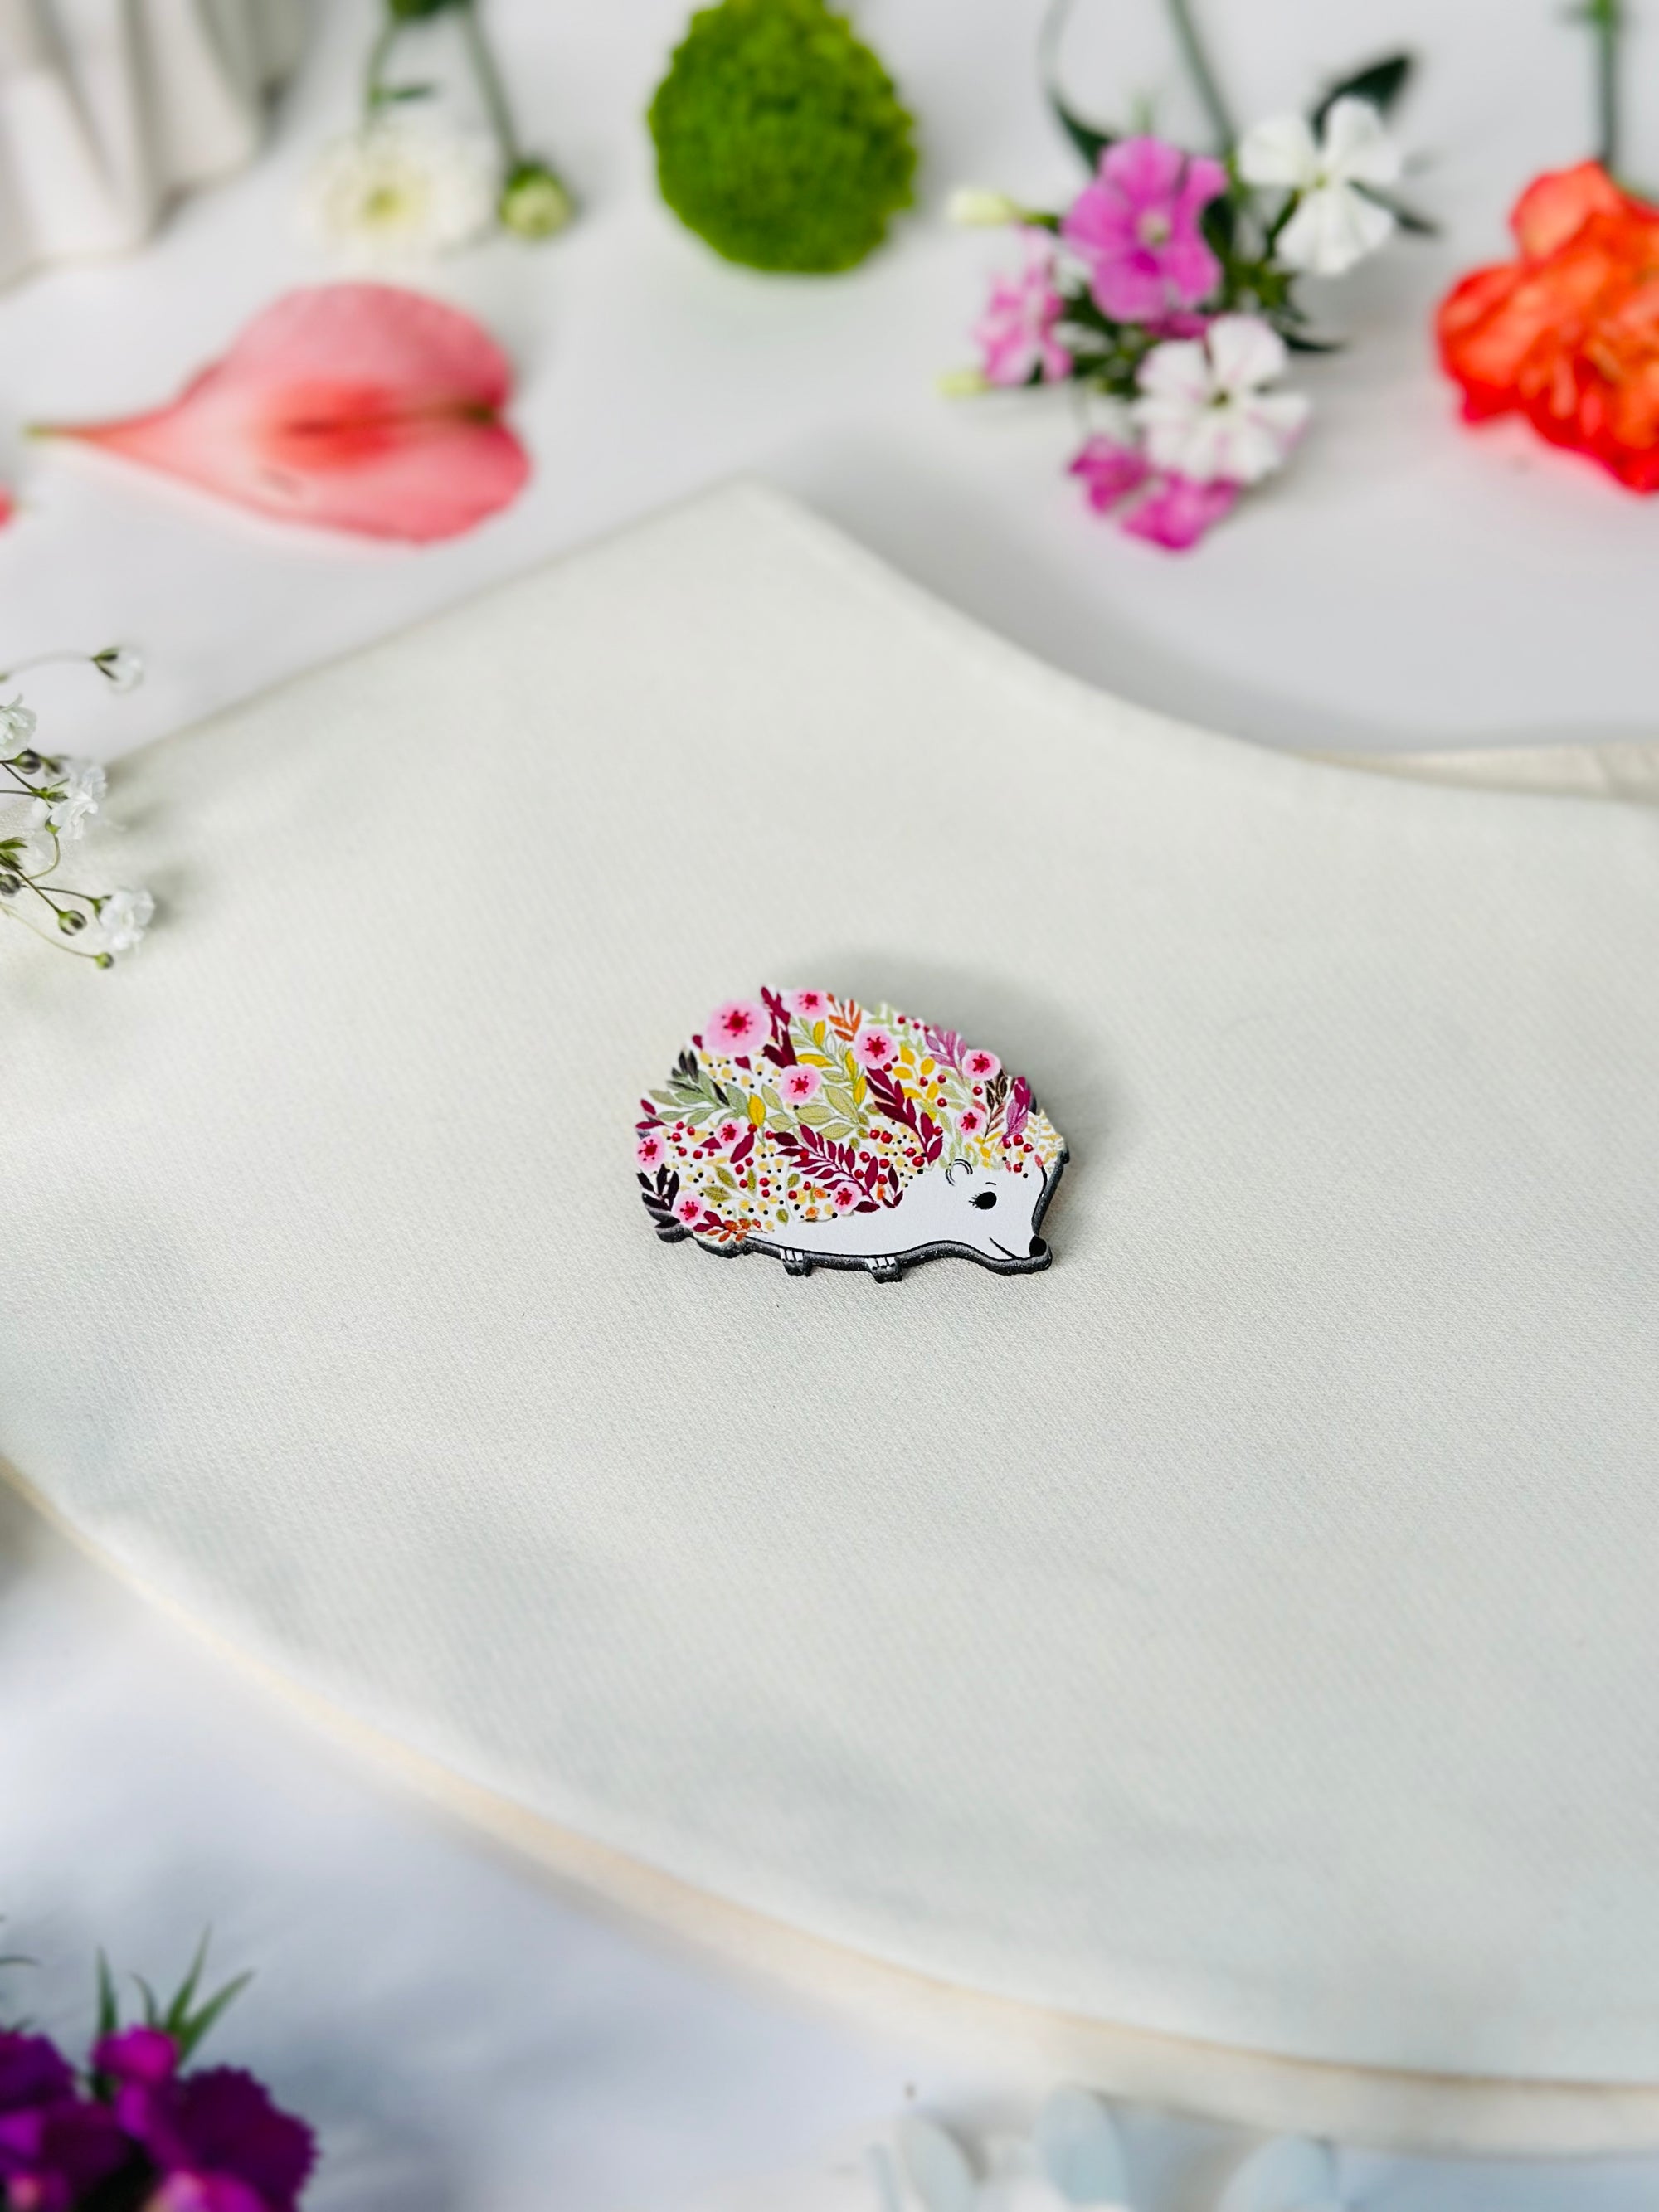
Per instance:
{"type": "Point", "coordinates": [825, 1134]}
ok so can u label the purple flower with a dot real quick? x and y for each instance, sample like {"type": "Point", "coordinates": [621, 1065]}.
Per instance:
{"type": "Point", "coordinates": [218, 2142]}
{"type": "Point", "coordinates": [1015, 334]}
{"type": "Point", "coordinates": [1137, 229]}
{"type": "Point", "coordinates": [32, 2073]}
{"type": "Point", "coordinates": [1162, 507]}
{"type": "Point", "coordinates": [139, 2056]}
{"type": "Point", "coordinates": [55, 2145]}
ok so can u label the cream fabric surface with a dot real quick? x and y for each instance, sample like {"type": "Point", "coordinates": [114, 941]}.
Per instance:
{"type": "Point", "coordinates": [1242, 1632]}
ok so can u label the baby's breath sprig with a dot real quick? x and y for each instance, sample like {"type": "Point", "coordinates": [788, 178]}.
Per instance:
{"type": "Point", "coordinates": [46, 800]}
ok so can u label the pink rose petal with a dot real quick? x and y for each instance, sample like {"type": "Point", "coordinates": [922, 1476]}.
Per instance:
{"type": "Point", "coordinates": [354, 407]}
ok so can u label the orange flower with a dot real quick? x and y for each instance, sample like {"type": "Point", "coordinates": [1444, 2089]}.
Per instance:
{"type": "Point", "coordinates": [1569, 334]}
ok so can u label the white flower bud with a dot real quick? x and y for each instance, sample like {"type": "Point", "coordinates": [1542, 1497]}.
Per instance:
{"type": "Point", "coordinates": [975, 208]}
{"type": "Point", "coordinates": [121, 666]}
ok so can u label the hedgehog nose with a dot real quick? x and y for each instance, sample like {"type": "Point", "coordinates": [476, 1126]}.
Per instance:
{"type": "Point", "coordinates": [1039, 1249]}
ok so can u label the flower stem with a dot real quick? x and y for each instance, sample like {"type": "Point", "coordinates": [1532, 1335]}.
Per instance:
{"type": "Point", "coordinates": [491, 88]}
{"type": "Point", "coordinates": [1190, 43]}
{"type": "Point", "coordinates": [1203, 80]}
{"type": "Point", "coordinates": [379, 55]}
{"type": "Point", "coordinates": [1605, 20]}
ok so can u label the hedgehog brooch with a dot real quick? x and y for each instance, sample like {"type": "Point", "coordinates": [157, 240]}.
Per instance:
{"type": "Point", "coordinates": [828, 1134]}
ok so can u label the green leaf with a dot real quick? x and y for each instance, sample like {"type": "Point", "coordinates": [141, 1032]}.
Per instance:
{"type": "Point", "coordinates": [1408, 218]}
{"type": "Point", "coordinates": [109, 2005]}
{"type": "Point", "coordinates": [185, 1996]}
{"type": "Point", "coordinates": [195, 2028]}
{"type": "Point", "coordinates": [1381, 82]}
{"type": "Point", "coordinates": [1088, 139]}
{"type": "Point", "coordinates": [1299, 342]}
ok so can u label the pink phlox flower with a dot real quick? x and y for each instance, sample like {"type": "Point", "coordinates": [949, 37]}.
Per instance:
{"type": "Point", "coordinates": [980, 1065]}
{"type": "Point", "coordinates": [807, 1006]}
{"type": "Point", "coordinates": [652, 1149]}
{"type": "Point", "coordinates": [1176, 513]}
{"type": "Point", "coordinates": [873, 1049]}
{"type": "Point", "coordinates": [1160, 505]}
{"type": "Point", "coordinates": [801, 1086]}
{"type": "Point", "coordinates": [1016, 333]}
{"type": "Point", "coordinates": [1109, 469]}
{"type": "Point", "coordinates": [1136, 228]}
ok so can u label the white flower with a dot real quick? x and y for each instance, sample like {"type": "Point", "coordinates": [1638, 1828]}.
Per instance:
{"type": "Point", "coordinates": [1072, 2157]}
{"type": "Point", "coordinates": [402, 186]}
{"type": "Point", "coordinates": [1203, 410]}
{"type": "Point", "coordinates": [33, 853]}
{"type": "Point", "coordinates": [976, 208]}
{"type": "Point", "coordinates": [123, 918]}
{"type": "Point", "coordinates": [1333, 223]}
{"type": "Point", "coordinates": [78, 787]}
{"type": "Point", "coordinates": [17, 728]}
{"type": "Point", "coordinates": [120, 665]}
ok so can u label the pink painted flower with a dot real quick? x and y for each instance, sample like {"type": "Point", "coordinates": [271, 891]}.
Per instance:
{"type": "Point", "coordinates": [738, 1026]}
{"type": "Point", "coordinates": [652, 1149]}
{"type": "Point", "coordinates": [873, 1047]}
{"type": "Point", "coordinates": [801, 1086]}
{"type": "Point", "coordinates": [1169, 510]}
{"type": "Point", "coordinates": [1137, 229]}
{"type": "Point", "coordinates": [355, 407]}
{"type": "Point", "coordinates": [1015, 334]}
{"type": "Point", "coordinates": [688, 1209]}
{"type": "Point", "coordinates": [979, 1066]}
{"type": "Point", "coordinates": [844, 1197]}
{"type": "Point", "coordinates": [971, 1122]}
{"type": "Point", "coordinates": [729, 1132]}
{"type": "Point", "coordinates": [807, 1006]}
{"type": "Point", "coordinates": [8, 507]}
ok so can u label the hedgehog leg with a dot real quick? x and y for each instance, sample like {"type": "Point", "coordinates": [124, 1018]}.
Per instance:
{"type": "Point", "coordinates": [796, 1263]}
{"type": "Point", "coordinates": [884, 1271]}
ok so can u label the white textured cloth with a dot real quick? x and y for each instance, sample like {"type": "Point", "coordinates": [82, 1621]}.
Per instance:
{"type": "Point", "coordinates": [1243, 1630]}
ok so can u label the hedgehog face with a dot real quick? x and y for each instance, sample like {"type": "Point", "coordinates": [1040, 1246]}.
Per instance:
{"type": "Point", "coordinates": [992, 1210]}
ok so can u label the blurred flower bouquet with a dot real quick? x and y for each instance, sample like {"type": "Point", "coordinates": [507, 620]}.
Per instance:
{"type": "Point", "coordinates": [1166, 292]}
{"type": "Point", "coordinates": [136, 2129]}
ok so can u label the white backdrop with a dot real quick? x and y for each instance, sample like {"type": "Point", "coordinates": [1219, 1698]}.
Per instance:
{"type": "Point", "coordinates": [470, 2042]}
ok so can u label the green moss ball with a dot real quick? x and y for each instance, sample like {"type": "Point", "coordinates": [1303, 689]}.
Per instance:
{"type": "Point", "coordinates": [780, 138]}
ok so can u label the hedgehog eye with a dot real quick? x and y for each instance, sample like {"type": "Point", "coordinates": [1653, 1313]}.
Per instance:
{"type": "Point", "coordinates": [985, 1202]}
